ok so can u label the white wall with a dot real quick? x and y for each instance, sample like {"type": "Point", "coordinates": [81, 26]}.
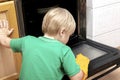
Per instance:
{"type": "Point", "coordinates": [103, 21]}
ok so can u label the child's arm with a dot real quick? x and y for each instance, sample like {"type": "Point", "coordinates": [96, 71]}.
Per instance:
{"type": "Point", "coordinates": [4, 33]}
{"type": "Point", "coordinates": [78, 76]}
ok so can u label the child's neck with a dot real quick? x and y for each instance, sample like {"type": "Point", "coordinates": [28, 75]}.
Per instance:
{"type": "Point", "coordinates": [47, 36]}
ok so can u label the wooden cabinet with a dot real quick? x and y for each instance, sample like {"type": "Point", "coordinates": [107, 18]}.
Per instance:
{"type": "Point", "coordinates": [10, 62]}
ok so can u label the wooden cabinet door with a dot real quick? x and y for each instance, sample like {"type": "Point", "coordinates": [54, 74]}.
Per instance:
{"type": "Point", "coordinates": [9, 61]}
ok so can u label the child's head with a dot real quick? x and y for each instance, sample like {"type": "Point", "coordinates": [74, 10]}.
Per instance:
{"type": "Point", "coordinates": [58, 23]}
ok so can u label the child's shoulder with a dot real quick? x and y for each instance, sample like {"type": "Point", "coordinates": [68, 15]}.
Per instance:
{"type": "Point", "coordinates": [29, 38]}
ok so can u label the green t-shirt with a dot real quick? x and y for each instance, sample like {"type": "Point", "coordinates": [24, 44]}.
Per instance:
{"type": "Point", "coordinates": [44, 58]}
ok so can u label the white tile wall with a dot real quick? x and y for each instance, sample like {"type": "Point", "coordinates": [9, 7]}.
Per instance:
{"type": "Point", "coordinates": [111, 38]}
{"type": "Point", "coordinates": [100, 3]}
{"type": "Point", "coordinates": [89, 22]}
{"type": "Point", "coordinates": [103, 21]}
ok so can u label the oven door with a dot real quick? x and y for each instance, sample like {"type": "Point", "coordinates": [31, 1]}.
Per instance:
{"type": "Point", "coordinates": [101, 56]}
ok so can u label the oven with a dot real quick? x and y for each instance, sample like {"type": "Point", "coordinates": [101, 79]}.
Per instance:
{"type": "Point", "coordinates": [30, 14]}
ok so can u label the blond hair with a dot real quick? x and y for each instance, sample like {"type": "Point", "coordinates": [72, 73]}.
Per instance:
{"type": "Point", "coordinates": [57, 18]}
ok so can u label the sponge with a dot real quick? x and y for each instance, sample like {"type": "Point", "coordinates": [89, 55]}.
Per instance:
{"type": "Point", "coordinates": [83, 62]}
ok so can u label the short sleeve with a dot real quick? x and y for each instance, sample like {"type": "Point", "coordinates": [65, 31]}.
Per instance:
{"type": "Point", "coordinates": [16, 44]}
{"type": "Point", "coordinates": [69, 64]}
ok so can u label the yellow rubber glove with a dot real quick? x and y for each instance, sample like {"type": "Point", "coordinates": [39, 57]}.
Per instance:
{"type": "Point", "coordinates": [83, 62]}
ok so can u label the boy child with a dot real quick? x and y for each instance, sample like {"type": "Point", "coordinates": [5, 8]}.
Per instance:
{"type": "Point", "coordinates": [46, 57]}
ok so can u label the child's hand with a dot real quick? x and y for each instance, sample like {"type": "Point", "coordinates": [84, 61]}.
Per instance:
{"type": "Point", "coordinates": [4, 28]}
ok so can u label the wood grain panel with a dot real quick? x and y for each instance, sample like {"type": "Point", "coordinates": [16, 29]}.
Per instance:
{"type": "Point", "coordinates": [9, 62]}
